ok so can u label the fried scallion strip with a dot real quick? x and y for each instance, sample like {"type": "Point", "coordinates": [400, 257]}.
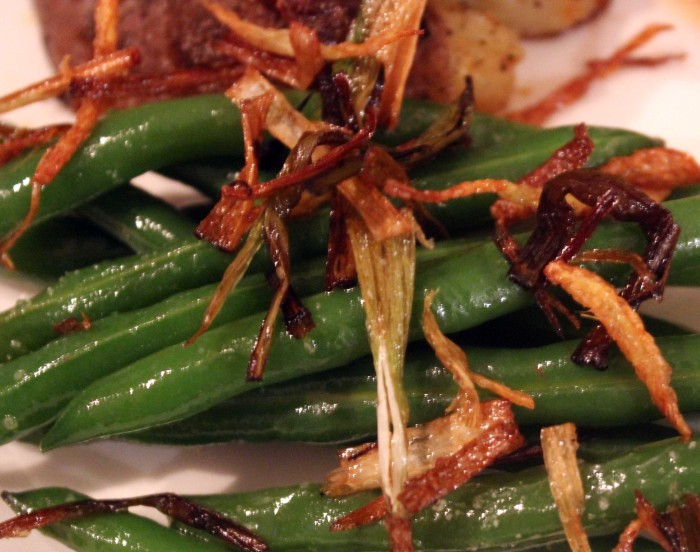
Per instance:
{"type": "Point", "coordinates": [172, 505]}
{"type": "Point", "coordinates": [626, 328]}
{"type": "Point", "coordinates": [499, 436]}
{"type": "Point", "coordinates": [386, 270]}
{"type": "Point", "coordinates": [657, 171]}
{"type": "Point", "coordinates": [559, 445]}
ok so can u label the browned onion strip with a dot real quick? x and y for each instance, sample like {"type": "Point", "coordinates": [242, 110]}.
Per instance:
{"type": "Point", "coordinates": [572, 90]}
{"type": "Point", "coordinates": [559, 445]}
{"type": "Point", "coordinates": [106, 27]}
{"type": "Point", "coordinates": [500, 436]}
{"type": "Point", "coordinates": [441, 437]}
{"type": "Point", "coordinates": [19, 140]}
{"type": "Point", "coordinates": [657, 171]}
{"type": "Point", "coordinates": [626, 328]}
{"type": "Point", "coordinates": [278, 41]}
{"type": "Point", "coordinates": [116, 63]}
{"type": "Point", "coordinates": [454, 359]}
{"type": "Point", "coordinates": [49, 166]}
{"type": "Point", "coordinates": [172, 505]}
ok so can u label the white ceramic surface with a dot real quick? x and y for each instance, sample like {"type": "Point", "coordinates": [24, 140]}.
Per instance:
{"type": "Point", "coordinates": [664, 101]}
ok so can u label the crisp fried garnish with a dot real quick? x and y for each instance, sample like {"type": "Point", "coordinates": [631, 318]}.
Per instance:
{"type": "Point", "coordinates": [381, 218]}
{"type": "Point", "coordinates": [86, 116]}
{"type": "Point", "coordinates": [19, 140]}
{"type": "Point", "coordinates": [172, 505]}
{"type": "Point", "coordinates": [72, 325]}
{"type": "Point", "coordinates": [386, 271]}
{"type": "Point", "coordinates": [106, 27]}
{"type": "Point", "coordinates": [49, 166]}
{"type": "Point", "coordinates": [116, 63]}
{"type": "Point", "coordinates": [391, 17]}
{"type": "Point", "coordinates": [559, 445]}
{"type": "Point", "coordinates": [657, 171]}
{"type": "Point", "coordinates": [426, 443]}
{"type": "Point", "coordinates": [626, 328]}
{"type": "Point", "coordinates": [282, 121]}
{"type": "Point", "coordinates": [454, 359]}
{"type": "Point", "coordinates": [676, 530]}
{"type": "Point", "coordinates": [575, 88]}
{"type": "Point", "coordinates": [499, 436]}
{"type": "Point", "coordinates": [559, 235]}
{"type": "Point", "coordinates": [230, 220]}
{"type": "Point", "coordinates": [270, 49]}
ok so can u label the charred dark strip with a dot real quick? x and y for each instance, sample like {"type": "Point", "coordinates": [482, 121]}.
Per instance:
{"type": "Point", "coordinates": [558, 235]}
{"type": "Point", "coordinates": [175, 506]}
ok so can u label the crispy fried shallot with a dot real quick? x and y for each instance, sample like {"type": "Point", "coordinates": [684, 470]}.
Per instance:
{"type": "Point", "coordinates": [575, 88]}
{"type": "Point", "coordinates": [18, 140]}
{"type": "Point", "coordinates": [559, 445]}
{"type": "Point", "coordinates": [676, 530]}
{"type": "Point", "coordinates": [558, 235]}
{"type": "Point", "coordinates": [172, 505]}
{"type": "Point", "coordinates": [657, 171]}
{"type": "Point", "coordinates": [499, 436]}
{"type": "Point", "coordinates": [626, 328]}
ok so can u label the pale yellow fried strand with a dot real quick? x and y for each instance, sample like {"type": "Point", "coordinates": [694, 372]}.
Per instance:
{"type": "Point", "coordinates": [106, 27]}
{"type": "Point", "coordinates": [397, 57]}
{"type": "Point", "coordinates": [283, 121]}
{"type": "Point", "coordinates": [427, 443]}
{"type": "Point", "coordinates": [386, 271]}
{"type": "Point", "coordinates": [559, 445]}
{"type": "Point", "coordinates": [627, 329]}
{"type": "Point", "coordinates": [113, 64]}
{"type": "Point", "coordinates": [455, 360]}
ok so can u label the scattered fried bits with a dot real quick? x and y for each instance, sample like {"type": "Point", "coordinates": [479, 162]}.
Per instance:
{"type": "Point", "coordinates": [675, 530]}
{"type": "Point", "coordinates": [626, 328]}
{"type": "Point", "coordinates": [559, 445]}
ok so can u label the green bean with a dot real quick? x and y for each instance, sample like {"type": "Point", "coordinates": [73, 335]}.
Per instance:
{"type": "Point", "coordinates": [495, 511]}
{"type": "Point", "coordinates": [134, 283]}
{"type": "Point", "coordinates": [64, 243]}
{"type": "Point", "coordinates": [118, 532]}
{"type": "Point", "coordinates": [35, 386]}
{"type": "Point", "coordinates": [340, 406]}
{"type": "Point", "coordinates": [124, 145]}
{"type": "Point", "coordinates": [140, 220]}
{"type": "Point", "coordinates": [498, 511]}
{"type": "Point", "coordinates": [473, 288]}
{"type": "Point", "coordinates": [131, 283]}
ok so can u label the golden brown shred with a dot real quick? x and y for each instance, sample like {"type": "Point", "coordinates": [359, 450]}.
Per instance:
{"type": "Point", "coordinates": [19, 140]}
{"type": "Point", "coordinates": [559, 445]}
{"type": "Point", "coordinates": [499, 436]}
{"type": "Point", "coordinates": [626, 328]}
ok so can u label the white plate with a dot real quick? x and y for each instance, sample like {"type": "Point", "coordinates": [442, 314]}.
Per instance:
{"type": "Point", "coordinates": [663, 102]}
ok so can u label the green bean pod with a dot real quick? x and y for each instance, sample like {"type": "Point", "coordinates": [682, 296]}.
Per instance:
{"type": "Point", "coordinates": [118, 532]}
{"type": "Point", "coordinates": [140, 220]}
{"type": "Point", "coordinates": [340, 406]}
{"type": "Point", "coordinates": [497, 511]}
{"type": "Point", "coordinates": [136, 282]}
{"type": "Point", "coordinates": [472, 288]}
{"type": "Point", "coordinates": [35, 386]}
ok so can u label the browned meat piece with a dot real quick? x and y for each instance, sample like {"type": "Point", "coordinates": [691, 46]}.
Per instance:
{"type": "Point", "coordinates": [175, 34]}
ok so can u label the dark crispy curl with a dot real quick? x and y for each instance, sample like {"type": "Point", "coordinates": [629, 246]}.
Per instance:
{"type": "Point", "coordinates": [559, 235]}
{"type": "Point", "coordinates": [170, 504]}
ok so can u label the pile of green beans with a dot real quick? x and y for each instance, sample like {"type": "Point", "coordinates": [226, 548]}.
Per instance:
{"type": "Point", "coordinates": [143, 305]}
